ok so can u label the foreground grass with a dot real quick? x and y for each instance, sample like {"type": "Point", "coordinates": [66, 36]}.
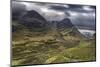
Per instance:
{"type": "Point", "coordinates": [46, 50]}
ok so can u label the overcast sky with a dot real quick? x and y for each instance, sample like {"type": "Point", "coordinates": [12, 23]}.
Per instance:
{"type": "Point", "coordinates": [80, 15]}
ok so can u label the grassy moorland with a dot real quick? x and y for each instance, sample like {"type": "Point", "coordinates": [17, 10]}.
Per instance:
{"type": "Point", "coordinates": [33, 48]}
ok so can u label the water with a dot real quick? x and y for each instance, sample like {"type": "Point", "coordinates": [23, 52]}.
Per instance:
{"type": "Point", "coordinates": [87, 33]}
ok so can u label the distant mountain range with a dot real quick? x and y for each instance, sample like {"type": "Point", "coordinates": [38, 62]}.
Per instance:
{"type": "Point", "coordinates": [33, 21]}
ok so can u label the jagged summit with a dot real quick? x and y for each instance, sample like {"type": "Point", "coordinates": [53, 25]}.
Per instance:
{"type": "Point", "coordinates": [33, 20]}
{"type": "Point", "coordinates": [65, 23]}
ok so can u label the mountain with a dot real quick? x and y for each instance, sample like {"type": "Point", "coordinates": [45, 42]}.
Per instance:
{"type": "Point", "coordinates": [65, 24]}
{"type": "Point", "coordinates": [66, 27]}
{"type": "Point", "coordinates": [33, 21]}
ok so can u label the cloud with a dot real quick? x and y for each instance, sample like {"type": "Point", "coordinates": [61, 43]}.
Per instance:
{"type": "Point", "coordinates": [80, 15]}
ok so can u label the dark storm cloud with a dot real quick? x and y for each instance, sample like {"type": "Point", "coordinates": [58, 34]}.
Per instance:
{"type": "Point", "coordinates": [84, 22]}
{"type": "Point", "coordinates": [84, 19]}
{"type": "Point", "coordinates": [75, 6]}
{"type": "Point", "coordinates": [58, 8]}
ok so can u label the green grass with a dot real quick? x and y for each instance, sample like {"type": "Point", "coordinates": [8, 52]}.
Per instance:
{"type": "Point", "coordinates": [44, 49]}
